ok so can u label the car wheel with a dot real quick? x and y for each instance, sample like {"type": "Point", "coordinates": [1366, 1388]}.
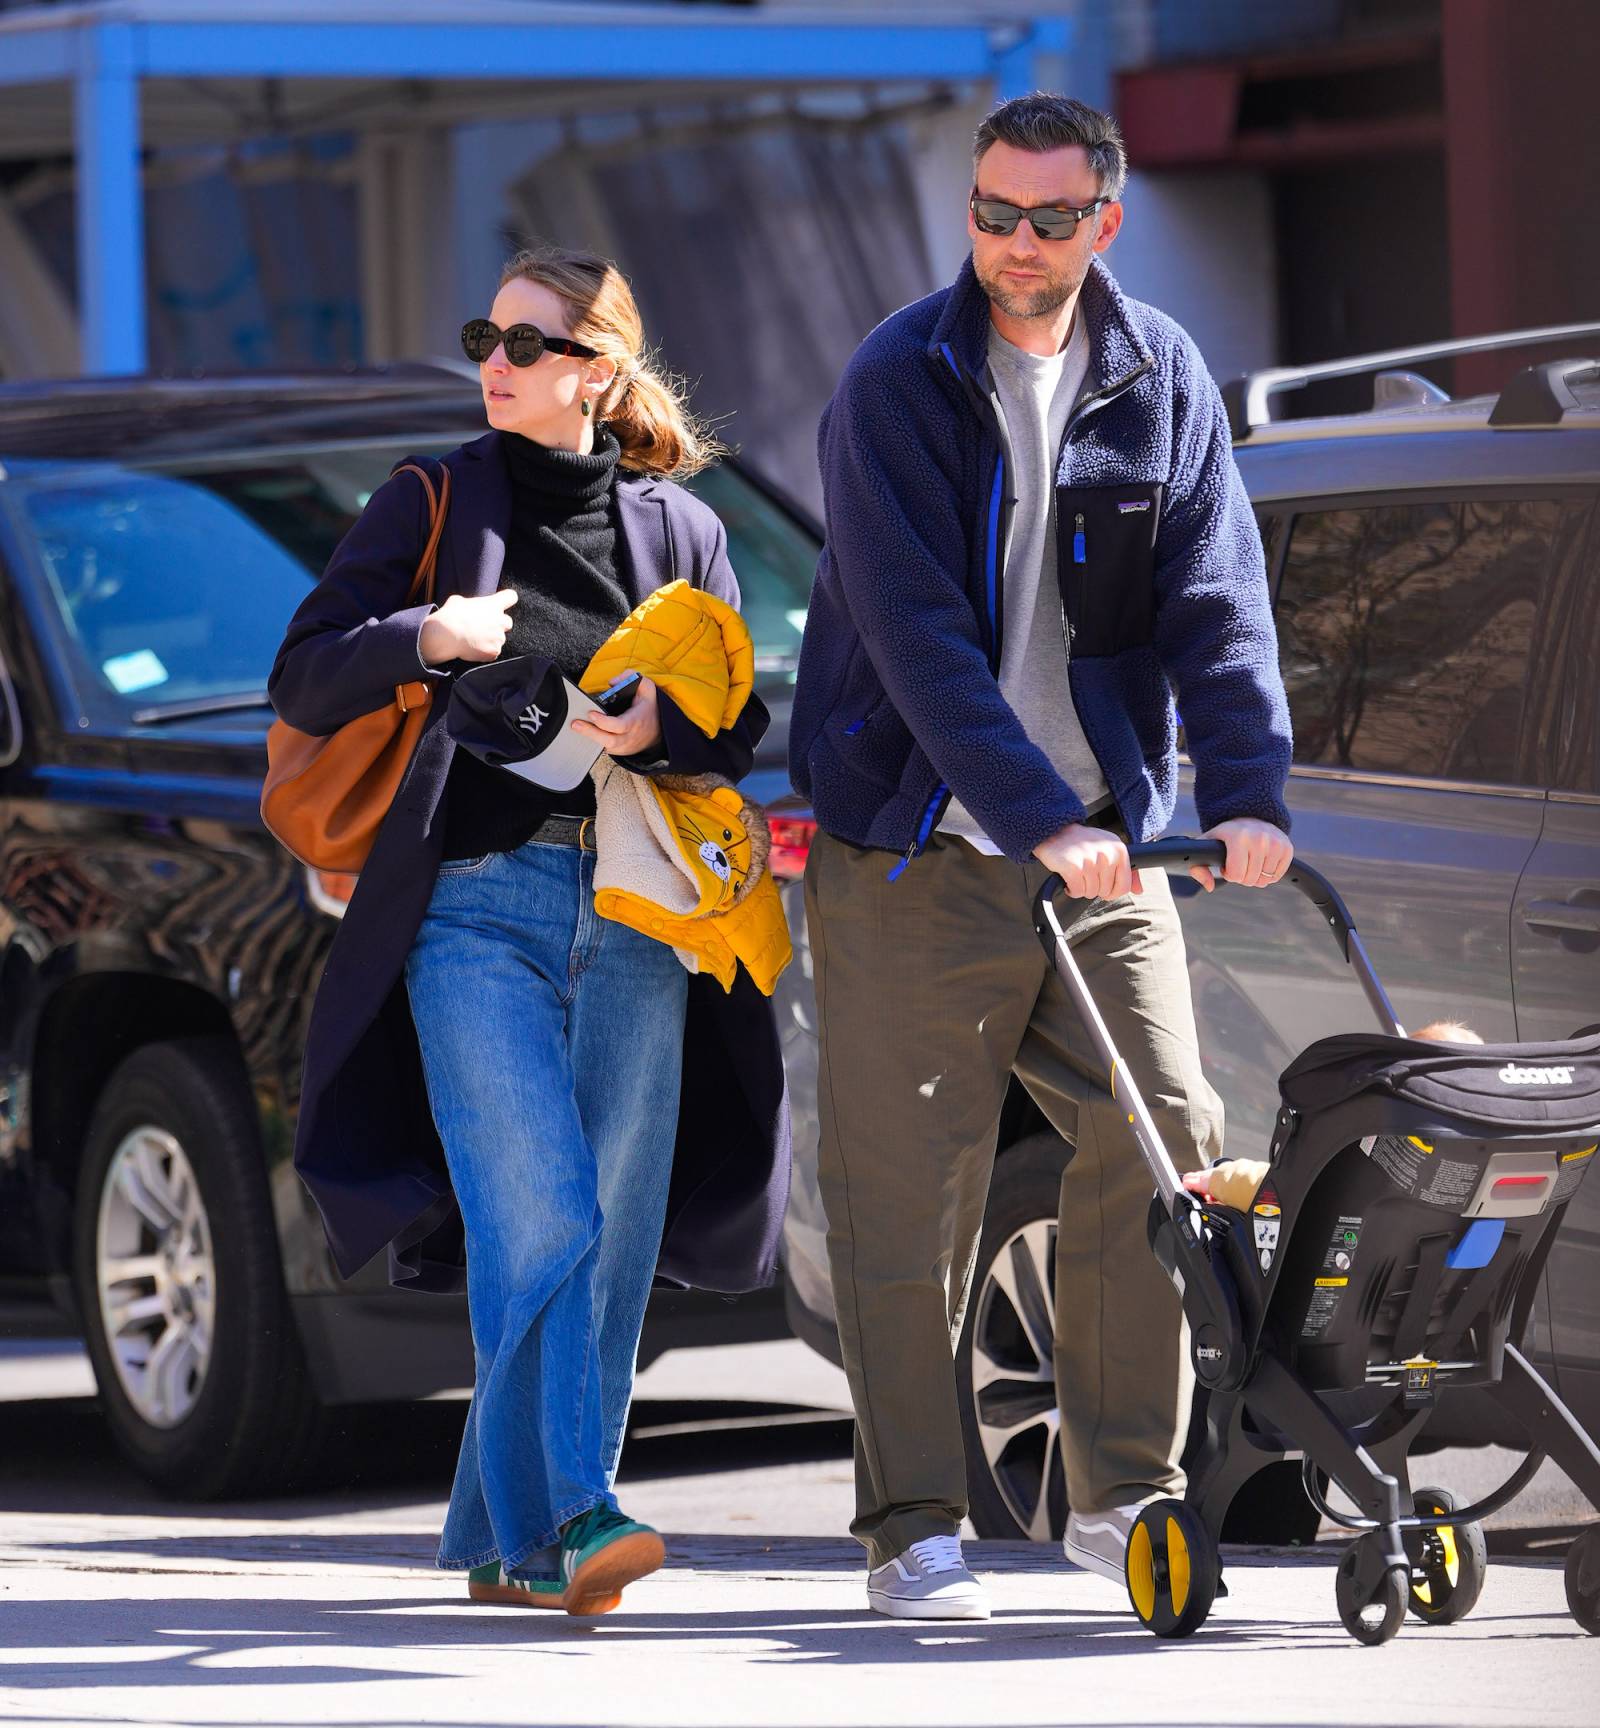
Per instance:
{"type": "Point", "coordinates": [1005, 1363]}
{"type": "Point", "coordinates": [199, 1365]}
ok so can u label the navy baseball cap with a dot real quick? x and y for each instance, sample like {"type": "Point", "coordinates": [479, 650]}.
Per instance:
{"type": "Point", "coordinates": [516, 714]}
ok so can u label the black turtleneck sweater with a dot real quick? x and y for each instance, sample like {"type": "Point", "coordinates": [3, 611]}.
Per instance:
{"type": "Point", "coordinates": [563, 559]}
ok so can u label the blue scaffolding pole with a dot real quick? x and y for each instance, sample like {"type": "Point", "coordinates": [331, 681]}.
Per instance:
{"type": "Point", "coordinates": [105, 58]}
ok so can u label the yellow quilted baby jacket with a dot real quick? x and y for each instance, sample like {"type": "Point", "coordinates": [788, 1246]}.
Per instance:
{"type": "Point", "coordinates": [684, 860]}
{"type": "Point", "coordinates": [688, 643]}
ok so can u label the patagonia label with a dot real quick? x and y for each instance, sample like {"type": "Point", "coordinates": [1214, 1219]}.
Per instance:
{"type": "Point", "coordinates": [1132, 506]}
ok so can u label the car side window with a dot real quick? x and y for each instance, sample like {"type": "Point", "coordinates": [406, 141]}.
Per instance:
{"type": "Point", "coordinates": [1569, 692]}
{"type": "Point", "coordinates": [1406, 634]}
{"type": "Point", "coordinates": [1271, 524]}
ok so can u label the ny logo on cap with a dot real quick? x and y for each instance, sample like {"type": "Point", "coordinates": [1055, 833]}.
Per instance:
{"type": "Point", "coordinates": [531, 719]}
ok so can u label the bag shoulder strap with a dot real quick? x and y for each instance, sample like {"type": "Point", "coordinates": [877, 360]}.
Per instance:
{"type": "Point", "coordinates": [438, 504]}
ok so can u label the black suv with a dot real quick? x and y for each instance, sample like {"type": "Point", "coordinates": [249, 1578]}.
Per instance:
{"type": "Point", "coordinates": [1435, 569]}
{"type": "Point", "coordinates": [158, 950]}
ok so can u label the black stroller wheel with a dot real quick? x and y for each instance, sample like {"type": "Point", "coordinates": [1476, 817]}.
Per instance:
{"type": "Point", "coordinates": [1448, 1562]}
{"type": "Point", "coordinates": [1375, 1621]}
{"type": "Point", "coordinates": [1583, 1579]}
{"type": "Point", "coordinates": [1171, 1568]}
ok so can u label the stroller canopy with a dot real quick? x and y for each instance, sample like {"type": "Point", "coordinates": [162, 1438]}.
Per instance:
{"type": "Point", "coordinates": [1503, 1088]}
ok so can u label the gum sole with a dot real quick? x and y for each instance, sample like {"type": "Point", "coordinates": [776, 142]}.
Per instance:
{"type": "Point", "coordinates": [508, 1596]}
{"type": "Point", "coordinates": [597, 1585]}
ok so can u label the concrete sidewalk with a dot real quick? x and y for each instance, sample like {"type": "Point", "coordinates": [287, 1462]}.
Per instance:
{"type": "Point", "coordinates": [333, 1620]}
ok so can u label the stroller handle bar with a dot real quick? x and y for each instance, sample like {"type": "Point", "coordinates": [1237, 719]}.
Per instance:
{"type": "Point", "coordinates": [1176, 854]}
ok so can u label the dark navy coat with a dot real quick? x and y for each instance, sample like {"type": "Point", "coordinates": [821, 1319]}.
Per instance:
{"type": "Point", "coordinates": [1163, 590]}
{"type": "Point", "coordinates": [365, 1145]}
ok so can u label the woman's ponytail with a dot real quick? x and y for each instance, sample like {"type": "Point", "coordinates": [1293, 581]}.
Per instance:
{"type": "Point", "coordinates": [646, 409]}
{"type": "Point", "coordinates": [653, 424]}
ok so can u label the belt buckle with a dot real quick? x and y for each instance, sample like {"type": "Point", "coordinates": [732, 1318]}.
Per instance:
{"type": "Point", "coordinates": [585, 823]}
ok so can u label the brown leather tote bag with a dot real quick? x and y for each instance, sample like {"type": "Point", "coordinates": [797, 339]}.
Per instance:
{"type": "Point", "coordinates": [326, 798]}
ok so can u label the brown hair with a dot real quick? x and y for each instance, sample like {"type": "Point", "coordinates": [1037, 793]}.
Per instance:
{"type": "Point", "coordinates": [1045, 121]}
{"type": "Point", "coordinates": [646, 409]}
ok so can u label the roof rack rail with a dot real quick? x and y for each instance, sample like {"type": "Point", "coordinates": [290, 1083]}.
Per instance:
{"type": "Point", "coordinates": [1541, 395]}
{"type": "Point", "coordinates": [1249, 399]}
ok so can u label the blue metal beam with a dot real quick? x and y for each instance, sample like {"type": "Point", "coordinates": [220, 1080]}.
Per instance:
{"type": "Point", "coordinates": [43, 55]}
{"type": "Point", "coordinates": [679, 47]}
{"type": "Point", "coordinates": [105, 62]}
{"type": "Point", "coordinates": [1034, 61]}
{"type": "Point", "coordinates": [110, 202]}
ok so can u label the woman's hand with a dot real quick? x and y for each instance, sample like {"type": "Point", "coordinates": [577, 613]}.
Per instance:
{"type": "Point", "coordinates": [629, 733]}
{"type": "Point", "coordinates": [467, 628]}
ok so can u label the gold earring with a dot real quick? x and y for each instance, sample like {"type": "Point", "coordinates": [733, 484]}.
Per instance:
{"type": "Point", "coordinates": [583, 408]}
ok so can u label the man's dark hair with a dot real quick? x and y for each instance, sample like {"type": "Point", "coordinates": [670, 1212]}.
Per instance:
{"type": "Point", "coordinates": [1045, 121]}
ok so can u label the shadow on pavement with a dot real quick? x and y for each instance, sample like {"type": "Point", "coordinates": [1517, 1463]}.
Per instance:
{"type": "Point", "coordinates": [59, 1456]}
{"type": "Point", "coordinates": [191, 1641]}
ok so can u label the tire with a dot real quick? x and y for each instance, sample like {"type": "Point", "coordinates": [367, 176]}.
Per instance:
{"type": "Point", "coordinates": [1171, 1569]}
{"type": "Point", "coordinates": [1582, 1579]}
{"type": "Point", "coordinates": [200, 1368]}
{"type": "Point", "coordinates": [1005, 1361]}
{"type": "Point", "coordinates": [1375, 1621]}
{"type": "Point", "coordinates": [1448, 1562]}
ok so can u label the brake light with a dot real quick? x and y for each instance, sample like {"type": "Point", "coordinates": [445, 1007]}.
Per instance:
{"type": "Point", "coordinates": [791, 845]}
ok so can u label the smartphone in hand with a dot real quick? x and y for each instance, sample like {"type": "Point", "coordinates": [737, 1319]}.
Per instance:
{"type": "Point", "coordinates": [617, 697]}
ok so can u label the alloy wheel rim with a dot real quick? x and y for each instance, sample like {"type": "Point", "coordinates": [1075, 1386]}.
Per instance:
{"type": "Point", "coordinates": [1013, 1380]}
{"type": "Point", "coordinates": [155, 1274]}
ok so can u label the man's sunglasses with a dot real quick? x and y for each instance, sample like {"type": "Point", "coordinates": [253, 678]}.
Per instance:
{"type": "Point", "coordinates": [1048, 221]}
{"type": "Point", "coordinates": [524, 343]}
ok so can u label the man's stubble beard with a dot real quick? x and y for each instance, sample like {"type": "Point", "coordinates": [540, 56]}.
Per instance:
{"type": "Point", "coordinates": [1038, 302]}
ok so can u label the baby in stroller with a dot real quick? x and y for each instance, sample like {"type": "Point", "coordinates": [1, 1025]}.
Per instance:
{"type": "Point", "coordinates": [1236, 1181]}
{"type": "Point", "coordinates": [1388, 1250]}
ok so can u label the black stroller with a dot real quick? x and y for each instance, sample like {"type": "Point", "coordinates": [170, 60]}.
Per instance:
{"type": "Point", "coordinates": [1394, 1248]}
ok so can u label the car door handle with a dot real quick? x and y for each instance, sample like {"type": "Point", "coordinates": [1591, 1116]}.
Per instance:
{"type": "Point", "coordinates": [1581, 913]}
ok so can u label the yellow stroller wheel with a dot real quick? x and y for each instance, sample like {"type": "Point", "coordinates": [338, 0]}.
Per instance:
{"type": "Point", "coordinates": [1171, 1568]}
{"type": "Point", "coordinates": [1448, 1562]}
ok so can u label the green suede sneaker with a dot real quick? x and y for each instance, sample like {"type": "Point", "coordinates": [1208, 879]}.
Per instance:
{"type": "Point", "coordinates": [601, 1553]}
{"type": "Point", "coordinates": [492, 1584]}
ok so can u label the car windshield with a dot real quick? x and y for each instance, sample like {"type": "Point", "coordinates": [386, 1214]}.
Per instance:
{"type": "Point", "coordinates": [175, 586]}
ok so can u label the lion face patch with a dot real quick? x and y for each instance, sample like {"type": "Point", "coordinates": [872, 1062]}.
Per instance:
{"type": "Point", "coordinates": [716, 838]}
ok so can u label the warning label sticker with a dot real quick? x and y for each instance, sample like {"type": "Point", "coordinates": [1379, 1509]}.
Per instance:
{"type": "Point", "coordinates": [1402, 1160]}
{"type": "Point", "coordinates": [1571, 1172]}
{"type": "Point", "coordinates": [1334, 1278]}
{"type": "Point", "coordinates": [1319, 1316]}
{"type": "Point", "coordinates": [1266, 1220]}
{"type": "Point", "coordinates": [1452, 1183]}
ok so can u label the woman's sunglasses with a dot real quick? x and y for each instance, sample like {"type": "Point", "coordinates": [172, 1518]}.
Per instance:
{"type": "Point", "coordinates": [1048, 221]}
{"type": "Point", "coordinates": [524, 343]}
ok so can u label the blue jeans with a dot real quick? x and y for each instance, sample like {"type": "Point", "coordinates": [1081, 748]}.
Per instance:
{"type": "Point", "coordinates": [552, 1046]}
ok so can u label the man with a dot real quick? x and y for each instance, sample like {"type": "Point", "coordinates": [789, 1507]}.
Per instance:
{"type": "Point", "coordinates": [1035, 535]}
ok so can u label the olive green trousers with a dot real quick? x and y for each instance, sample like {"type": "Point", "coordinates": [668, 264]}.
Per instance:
{"type": "Point", "coordinates": [932, 991]}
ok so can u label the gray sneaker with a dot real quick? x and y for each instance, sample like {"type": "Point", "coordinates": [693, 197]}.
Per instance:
{"type": "Point", "coordinates": [929, 1581]}
{"type": "Point", "coordinates": [1098, 1541]}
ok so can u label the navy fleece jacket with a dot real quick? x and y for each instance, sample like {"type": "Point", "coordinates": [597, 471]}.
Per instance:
{"type": "Point", "coordinates": [898, 703]}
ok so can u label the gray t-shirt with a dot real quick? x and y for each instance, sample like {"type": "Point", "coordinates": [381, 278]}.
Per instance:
{"type": "Point", "coordinates": [1036, 395]}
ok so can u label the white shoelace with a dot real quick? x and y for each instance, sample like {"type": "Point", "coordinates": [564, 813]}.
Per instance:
{"type": "Point", "coordinates": [938, 1553]}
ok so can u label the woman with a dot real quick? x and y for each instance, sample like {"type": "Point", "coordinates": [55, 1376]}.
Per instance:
{"type": "Point", "coordinates": [551, 1043]}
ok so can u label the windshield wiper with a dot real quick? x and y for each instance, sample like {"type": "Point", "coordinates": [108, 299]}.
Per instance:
{"type": "Point", "coordinates": [201, 706]}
